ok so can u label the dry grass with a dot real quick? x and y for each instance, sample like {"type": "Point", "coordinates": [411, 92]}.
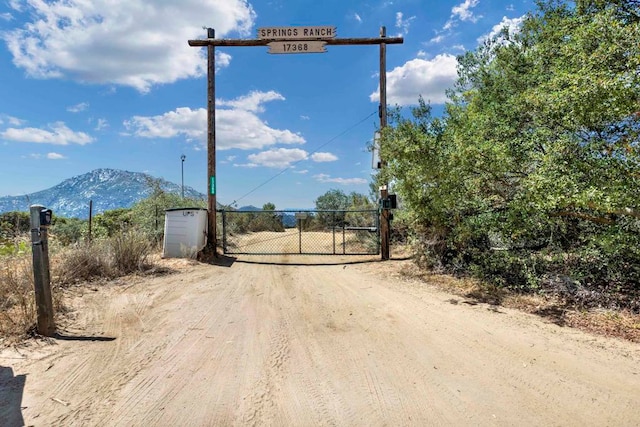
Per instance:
{"type": "Point", "coordinates": [129, 253]}
{"type": "Point", "coordinates": [82, 263]}
{"type": "Point", "coordinates": [611, 323]}
{"type": "Point", "coordinates": [17, 304]}
{"type": "Point", "coordinates": [123, 254]}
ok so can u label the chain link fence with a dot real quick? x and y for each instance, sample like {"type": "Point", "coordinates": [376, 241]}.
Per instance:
{"type": "Point", "coordinates": [309, 232]}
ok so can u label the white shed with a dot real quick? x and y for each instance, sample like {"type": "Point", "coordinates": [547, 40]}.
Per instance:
{"type": "Point", "coordinates": [185, 232]}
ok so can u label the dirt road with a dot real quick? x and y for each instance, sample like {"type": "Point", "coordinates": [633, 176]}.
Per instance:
{"type": "Point", "coordinates": [264, 344]}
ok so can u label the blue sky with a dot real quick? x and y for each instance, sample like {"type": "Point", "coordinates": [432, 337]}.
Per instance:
{"type": "Point", "coordinates": [114, 84]}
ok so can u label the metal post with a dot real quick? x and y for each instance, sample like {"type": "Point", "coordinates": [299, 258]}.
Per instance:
{"type": "Point", "coordinates": [182, 173]}
{"type": "Point", "coordinates": [384, 192]}
{"type": "Point", "coordinates": [224, 231]}
{"type": "Point", "coordinates": [333, 223]}
{"type": "Point", "coordinates": [211, 143]}
{"type": "Point", "coordinates": [41, 279]}
{"type": "Point", "coordinates": [344, 240]}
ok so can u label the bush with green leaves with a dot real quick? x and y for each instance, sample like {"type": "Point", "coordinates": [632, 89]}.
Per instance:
{"type": "Point", "coordinates": [533, 171]}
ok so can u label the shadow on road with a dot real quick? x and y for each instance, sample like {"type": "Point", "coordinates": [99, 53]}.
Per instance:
{"type": "Point", "coordinates": [11, 390]}
{"type": "Point", "coordinates": [312, 261]}
{"type": "Point", "coordinates": [63, 337]}
{"type": "Point", "coordinates": [220, 260]}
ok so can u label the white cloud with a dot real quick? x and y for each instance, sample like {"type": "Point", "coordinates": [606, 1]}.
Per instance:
{"type": "Point", "coordinates": [323, 157]}
{"type": "Point", "coordinates": [15, 5]}
{"type": "Point", "coordinates": [235, 128]}
{"type": "Point", "coordinates": [429, 78]}
{"type": "Point", "coordinates": [102, 124]}
{"type": "Point", "coordinates": [13, 121]}
{"type": "Point", "coordinates": [245, 165]}
{"type": "Point", "coordinates": [357, 17]}
{"type": "Point", "coordinates": [123, 42]}
{"type": "Point", "coordinates": [403, 24]}
{"type": "Point", "coordinates": [421, 54]}
{"type": "Point", "coordinates": [6, 16]}
{"type": "Point", "coordinates": [55, 156]}
{"type": "Point", "coordinates": [305, 117]}
{"type": "Point", "coordinates": [301, 172]}
{"type": "Point", "coordinates": [459, 47]}
{"type": "Point", "coordinates": [463, 11]}
{"type": "Point", "coordinates": [278, 158]}
{"type": "Point", "coordinates": [252, 102]}
{"type": "Point", "coordinates": [78, 107]}
{"type": "Point", "coordinates": [342, 181]}
{"type": "Point", "coordinates": [222, 60]}
{"type": "Point", "coordinates": [512, 25]}
{"type": "Point", "coordinates": [59, 134]}
{"type": "Point", "coordinates": [437, 39]}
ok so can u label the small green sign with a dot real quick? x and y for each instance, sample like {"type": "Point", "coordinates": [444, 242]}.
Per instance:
{"type": "Point", "coordinates": [212, 186]}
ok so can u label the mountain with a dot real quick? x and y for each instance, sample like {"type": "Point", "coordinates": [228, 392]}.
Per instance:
{"type": "Point", "coordinates": [108, 188]}
{"type": "Point", "coordinates": [249, 208]}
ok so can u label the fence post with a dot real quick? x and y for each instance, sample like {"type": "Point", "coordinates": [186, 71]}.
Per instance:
{"type": "Point", "coordinates": [333, 223]}
{"type": "Point", "coordinates": [224, 231]}
{"type": "Point", "coordinates": [344, 239]}
{"type": "Point", "coordinates": [41, 278]}
{"type": "Point", "coordinates": [300, 235]}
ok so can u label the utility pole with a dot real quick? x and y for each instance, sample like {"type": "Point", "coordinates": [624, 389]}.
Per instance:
{"type": "Point", "coordinates": [211, 142]}
{"type": "Point", "coordinates": [182, 173]}
{"type": "Point", "coordinates": [385, 229]}
{"type": "Point", "coordinates": [40, 219]}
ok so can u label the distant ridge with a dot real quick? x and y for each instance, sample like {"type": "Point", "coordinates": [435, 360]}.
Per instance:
{"type": "Point", "coordinates": [108, 188]}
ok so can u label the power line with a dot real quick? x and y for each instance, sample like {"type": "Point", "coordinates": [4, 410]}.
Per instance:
{"type": "Point", "coordinates": [349, 129]}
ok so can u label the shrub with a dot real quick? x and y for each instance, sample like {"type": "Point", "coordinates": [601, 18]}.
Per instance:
{"type": "Point", "coordinates": [130, 252]}
{"type": "Point", "coordinates": [17, 302]}
{"type": "Point", "coordinates": [82, 262]}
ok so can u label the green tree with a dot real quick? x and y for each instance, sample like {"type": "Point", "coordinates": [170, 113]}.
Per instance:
{"type": "Point", "coordinates": [339, 202]}
{"type": "Point", "coordinates": [14, 224]}
{"type": "Point", "coordinates": [148, 215]}
{"type": "Point", "coordinates": [538, 149]}
{"type": "Point", "coordinates": [69, 230]}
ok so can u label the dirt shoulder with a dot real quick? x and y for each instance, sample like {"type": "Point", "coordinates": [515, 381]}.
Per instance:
{"type": "Point", "coordinates": [256, 342]}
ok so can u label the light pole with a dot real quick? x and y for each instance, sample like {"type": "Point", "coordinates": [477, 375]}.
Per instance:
{"type": "Point", "coordinates": [182, 170]}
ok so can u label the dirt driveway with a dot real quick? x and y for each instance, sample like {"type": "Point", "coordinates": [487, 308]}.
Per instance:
{"type": "Point", "coordinates": [254, 343]}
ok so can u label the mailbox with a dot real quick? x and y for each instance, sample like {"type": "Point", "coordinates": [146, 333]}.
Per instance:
{"type": "Point", "coordinates": [393, 201]}
{"type": "Point", "coordinates": [45, 217]}
{"type": "Point", "coordinates": [390, 202]}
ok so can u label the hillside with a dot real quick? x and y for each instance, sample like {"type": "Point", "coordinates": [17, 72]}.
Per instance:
{"type": "Point", "coordinates": [108, 188]}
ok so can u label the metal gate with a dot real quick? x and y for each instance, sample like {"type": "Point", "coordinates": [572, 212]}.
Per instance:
{"type": "Point", "coordinates": [308, 232]}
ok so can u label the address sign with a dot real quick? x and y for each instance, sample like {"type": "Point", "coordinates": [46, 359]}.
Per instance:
{"type": "Point", "coordinates": [297, 46]}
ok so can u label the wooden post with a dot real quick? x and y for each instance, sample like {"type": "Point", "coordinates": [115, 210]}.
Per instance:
{"type": "Point", "coordinates": [90, 217]}
{"type": "Point", "coordinates": [385, 229]}
{"type": "Point", "coordinates": [211, 144]}
{"type": "Point", "coordinates": [41, 279]}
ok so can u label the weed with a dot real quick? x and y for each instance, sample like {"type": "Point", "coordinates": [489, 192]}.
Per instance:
{"type": "Point", "coordinates": [17, 304]}
{"type": "Point", "coordinates": [130, 252]}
